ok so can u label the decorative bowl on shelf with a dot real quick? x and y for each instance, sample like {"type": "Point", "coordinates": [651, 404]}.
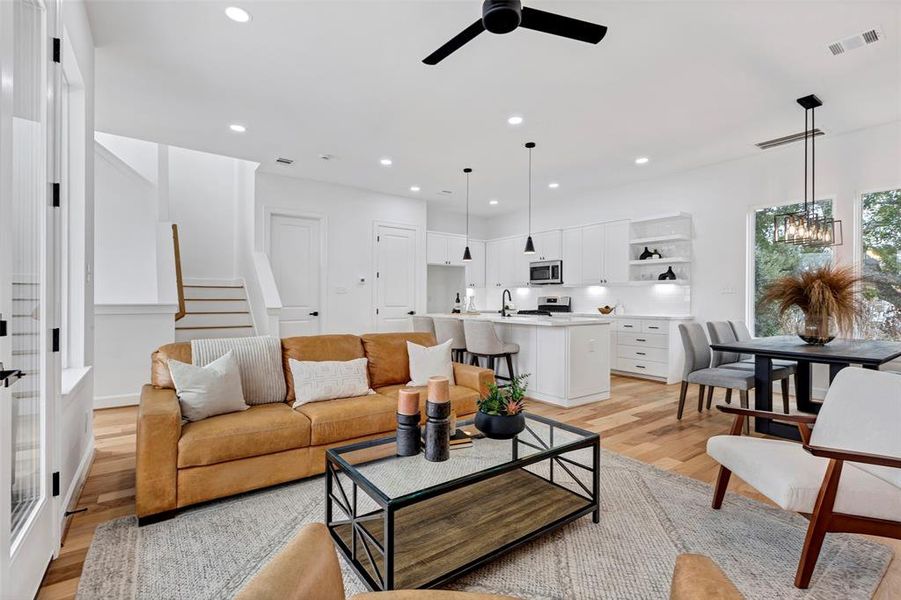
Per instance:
{"type": "Point", "coordinates": [605, 310]}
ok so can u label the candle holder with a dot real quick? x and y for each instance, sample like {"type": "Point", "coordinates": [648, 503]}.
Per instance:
{"type": "Point", "coordinates": [409, 435]}
{"type": "Point", "coordinates": [437, 426]}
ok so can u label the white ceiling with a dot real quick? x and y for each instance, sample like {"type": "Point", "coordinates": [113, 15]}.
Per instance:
{"type": "Point", "coordinates": [685, 83]}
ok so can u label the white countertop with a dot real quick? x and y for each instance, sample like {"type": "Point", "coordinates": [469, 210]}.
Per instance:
{"type": "Point", "coordinates": [635, 316]}
{"type": "Point", "coordinates": [573, 320]}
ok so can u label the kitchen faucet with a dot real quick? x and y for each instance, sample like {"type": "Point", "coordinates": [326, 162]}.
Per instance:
{"type": "Point", "coordinates": [504, 296]}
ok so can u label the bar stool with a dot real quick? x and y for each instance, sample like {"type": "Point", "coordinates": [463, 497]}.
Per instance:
{"type": "Point", "coordinates": [482, 341]}
{"type": "Point", "coordinates": [424, 324]}
{"type": "Point", "coordinates": [450, 328]}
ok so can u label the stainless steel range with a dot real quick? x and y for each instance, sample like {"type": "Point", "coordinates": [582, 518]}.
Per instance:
{"type": "Point", "coordinates": [548, 305]}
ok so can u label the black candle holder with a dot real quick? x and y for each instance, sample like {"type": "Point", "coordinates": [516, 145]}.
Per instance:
{"type": "Point", "coordinates": [409, 435]}
{"type": "Point", "coordinates": [437, 431]}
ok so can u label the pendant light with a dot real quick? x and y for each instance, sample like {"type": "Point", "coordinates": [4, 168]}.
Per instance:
{"type": "Point", "coordinates": [807, 227]}
{"type": "Point", "coordinates": [530, 246]}
{"type": "Point", "coordinates": [467, 256]}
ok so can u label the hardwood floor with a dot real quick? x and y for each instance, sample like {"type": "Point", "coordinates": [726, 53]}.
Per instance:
{"type": "Point", "coordinates": [638, 421]}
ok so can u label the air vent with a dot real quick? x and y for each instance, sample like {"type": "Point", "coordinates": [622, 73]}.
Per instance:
{"type": "Point", "coordinates": [788, 139]}
{"type": "Point", "coordinates": [854, 42]}
{"type": "Point", "coordinates": [284, 161]}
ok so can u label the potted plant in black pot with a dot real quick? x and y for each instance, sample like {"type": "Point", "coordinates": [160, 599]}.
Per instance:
{"type": "Point", "coordinates": [500, 415]}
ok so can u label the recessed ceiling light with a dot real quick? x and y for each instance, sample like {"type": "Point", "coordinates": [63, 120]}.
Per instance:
{"type": "Point", "coordinates": [386, 162]}
{"type": "Point", "coordinates": [237, 128]}
{"type": "Point", "coordinates": [642, 160]}
{"type": "Point", "coordinates": [414, 188]}
{"type": "Point", "coordinates": [553, 185]}
{"type": "Point", "coordinates": [515, 120]}
{"type": "Point", "coordinates": [493, 202]}
{"type": "Point", "coordinates": [236, 14]}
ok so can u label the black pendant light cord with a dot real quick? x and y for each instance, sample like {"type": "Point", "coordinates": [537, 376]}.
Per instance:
{"type": "Point", "coordinates": [467, 171]}
{"type": "Point", "coordinates": [813, 161]}
{"type": "Point", "coordinates": [806, 212]}
{"type": "Point", "coordinates": [530, 191]}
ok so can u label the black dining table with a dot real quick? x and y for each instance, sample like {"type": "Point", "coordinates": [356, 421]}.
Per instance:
{"type": "Point", "coordinates": [838, 354]}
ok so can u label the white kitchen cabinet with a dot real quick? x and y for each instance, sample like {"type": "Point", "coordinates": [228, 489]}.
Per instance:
{"type": "Point", "coordinates": [445, 249]}
{"type": "Point", "coordinates": [650, 348]}
{"type": "Point", "coordinates": [593, 246]}
{"type": "Point", "coordinates": [506, 265]}
{"type": "Point", "coordinates": [616, 252]}
{"type": "Point", "coordinates": [547, 245]}
{"type": "Point", "coordinates": [475, 269]}
{"type": "Point", "coordinates": [572, 256]}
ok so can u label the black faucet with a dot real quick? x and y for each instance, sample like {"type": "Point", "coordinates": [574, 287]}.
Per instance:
{"type": "Point", "coordinates": [504, 296]}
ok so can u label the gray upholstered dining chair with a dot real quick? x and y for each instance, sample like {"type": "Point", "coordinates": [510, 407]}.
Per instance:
{"type": "Point", "coordinates": [423, 324]}
{"type": "Point", "coordinates": [743, 334]}
{"type": "Point", "coordinates": [450, 328]}
{"type": "Point", "coordinates": [697, 369]}
{"type": "Point", "coordinates": [482, 341]}
{"type": "Point", "coordinates": [722, 332]}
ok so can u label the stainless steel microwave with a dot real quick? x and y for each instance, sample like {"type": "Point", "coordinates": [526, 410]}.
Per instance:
{"type": "Point", "coordinates": [546, 272]}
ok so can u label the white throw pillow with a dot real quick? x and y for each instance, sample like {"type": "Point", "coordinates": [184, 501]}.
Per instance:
{"type": "Point", "coordinates": [329, 379]}
{"type": "Point", "coordinates": [208, 391]}
{"type": "Point", "coordinates": [428, 362]}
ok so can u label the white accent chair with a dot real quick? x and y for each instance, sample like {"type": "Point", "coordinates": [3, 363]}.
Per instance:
{"type": "Point", "coordinates": [846, 476]}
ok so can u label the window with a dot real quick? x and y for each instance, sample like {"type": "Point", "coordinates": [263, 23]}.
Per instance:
{"type": "Point", "coordinates": [772, 260]}
{"type": "Point", "coordinates": [880, 265]}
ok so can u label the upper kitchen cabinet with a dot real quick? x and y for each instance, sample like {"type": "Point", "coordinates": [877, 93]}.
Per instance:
{"type": "Point", "coordinates": [475, 269]}
{"type": "Point", "coordinates": [548, 245]}
{"type": "Point", "coordinates": [445, 249]}
{"type": "Point", "coordinates": [596, 254]}
{"type": "Point", "coordinates": [661, 245]}
{"type": "Point", "coordinates": [505, 263]}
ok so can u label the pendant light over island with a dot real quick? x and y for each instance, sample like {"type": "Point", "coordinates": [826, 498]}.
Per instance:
{"type": "Point", "coordinates": [530, 246]}
{"type": "Point", "coordinates": [467, 255]}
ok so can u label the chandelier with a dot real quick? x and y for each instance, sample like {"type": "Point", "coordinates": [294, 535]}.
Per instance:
{"type": "Point", "coordinates": [810, 226]}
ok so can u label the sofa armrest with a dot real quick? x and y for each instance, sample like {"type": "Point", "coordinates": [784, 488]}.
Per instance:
{"type": "Point", "coordinates": [158, 432]}
{"type": "Point", "coordinates": [475, 378]}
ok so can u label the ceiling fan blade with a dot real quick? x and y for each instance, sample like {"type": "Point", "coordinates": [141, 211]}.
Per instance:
{"type": "Point", "coordinates": [575, 29]}
{"type": "Point", "coordinates": [455, 44]}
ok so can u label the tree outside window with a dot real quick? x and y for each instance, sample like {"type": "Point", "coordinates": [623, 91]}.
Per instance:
{"type": "Point", "coordinates": [880, 266]}
{"type": "Point", "coordinates": [775, 260]}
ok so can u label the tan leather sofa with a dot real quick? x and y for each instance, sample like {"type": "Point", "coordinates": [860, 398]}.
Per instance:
{"type": "Point", "coordinates": [180, 465]}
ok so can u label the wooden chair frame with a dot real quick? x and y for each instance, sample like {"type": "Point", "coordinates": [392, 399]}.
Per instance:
{"type": "Point", "coordinates": [822, 520]}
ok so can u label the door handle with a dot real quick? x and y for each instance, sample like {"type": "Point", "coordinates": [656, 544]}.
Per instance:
{"type": "Point", "coordinates": [9, 377]}
{"type": "Point", "coordinates": [412, 312]}
{"type": "Point", "coordinates": [315, 313]}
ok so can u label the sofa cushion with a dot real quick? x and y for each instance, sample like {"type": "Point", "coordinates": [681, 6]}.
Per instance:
{"type": "Point", "coordinates": [347, 418]}
{"type": "Point", "coordinates": [387, 354]}
{"type": "Point", "coordinates": [463, 399]}
{"type": "Point", "coordinates": [317, 348]}
{"type": "Point", "coordinates": [159, 363]}
{"type": "Point", "coordinates": [261, 429]}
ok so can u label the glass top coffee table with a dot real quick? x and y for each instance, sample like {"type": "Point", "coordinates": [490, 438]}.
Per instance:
{"type": "Point", "coordinates": [405, 522]}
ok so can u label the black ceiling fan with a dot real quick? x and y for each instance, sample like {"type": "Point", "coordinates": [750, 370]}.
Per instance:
{"type": "Point", "coordinates": [503, 16]}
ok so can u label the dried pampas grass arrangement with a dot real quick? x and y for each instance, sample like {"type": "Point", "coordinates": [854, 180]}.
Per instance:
{"type": "Point", "coordinates": [827, 291]}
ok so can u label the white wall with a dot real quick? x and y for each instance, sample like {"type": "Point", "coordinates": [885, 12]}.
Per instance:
{"type": "Point", "coordinates": [720, 197]}
{"type": "Point", "coordinates": [455, 222]}
{"type": "Point", "coordinates": [443, 285]}
{"type": "Point", "coordinates": [351, 213]}
{"type": "Point", "coordinates": [202, 201]}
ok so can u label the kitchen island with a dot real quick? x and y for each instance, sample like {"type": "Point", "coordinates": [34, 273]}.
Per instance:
{"type": "Point", "coordinates": [567, 357]}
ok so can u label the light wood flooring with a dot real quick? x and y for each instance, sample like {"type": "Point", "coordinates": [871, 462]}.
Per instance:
{"type": "Point", "coordinates": [638, 421]}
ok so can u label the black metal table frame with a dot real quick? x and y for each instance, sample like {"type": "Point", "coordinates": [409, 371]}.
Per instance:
{"type": "Point", "coordinates": [388, 507]}
{"type": "Point", "coordinates": [763, 384]}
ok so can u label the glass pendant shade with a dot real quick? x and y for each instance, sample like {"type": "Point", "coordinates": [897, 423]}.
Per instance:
{"type": "Point", "coordinates": [467, 256]}
{"type": "Point", "coordinates": [530, 246]}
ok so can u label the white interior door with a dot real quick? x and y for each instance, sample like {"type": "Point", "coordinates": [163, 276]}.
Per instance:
{"type": "Point", "coordinates": [295, 253]}
{"type": "Point", "coordinates": [27, 299]}
{"type": "Point", "coordinates": [395, 281]}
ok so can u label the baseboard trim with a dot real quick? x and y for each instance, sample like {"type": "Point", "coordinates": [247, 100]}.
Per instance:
{"type": "Point", "coordinates": [547, 399]}
{"type": "Point", "coordinates": [101, 402]}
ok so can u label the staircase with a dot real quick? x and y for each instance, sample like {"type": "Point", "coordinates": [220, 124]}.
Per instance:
{"type": "Point", "coordinates": [214, 311]}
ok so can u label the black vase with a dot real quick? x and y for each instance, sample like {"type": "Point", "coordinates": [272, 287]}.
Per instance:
{"type": "Point", "coordinates": [646, 254]}
{"type": "Point", "coordinates": [500, 427]}
{"type": "Point", "coordinates": [656, 254]}
{"type": "Point", "coordinates": [669, 275]}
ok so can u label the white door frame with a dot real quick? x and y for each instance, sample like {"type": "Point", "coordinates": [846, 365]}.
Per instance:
{"type": "Point", "coordinates": [374, 265]}
{"type": "Point", "coordinates": [273, 211]}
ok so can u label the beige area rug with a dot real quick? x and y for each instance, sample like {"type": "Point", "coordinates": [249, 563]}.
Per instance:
{"type": "Point", "coordinates": [648, 518]}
